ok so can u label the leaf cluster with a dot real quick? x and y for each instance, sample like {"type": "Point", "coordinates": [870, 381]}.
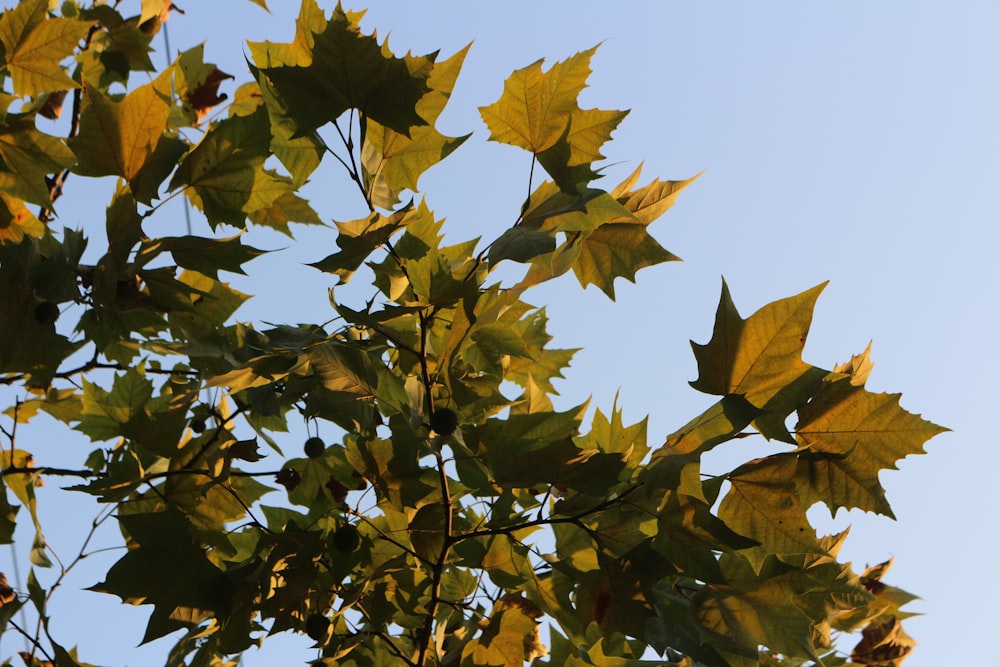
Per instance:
{"type": "Point", "coordinates": [459, 508]}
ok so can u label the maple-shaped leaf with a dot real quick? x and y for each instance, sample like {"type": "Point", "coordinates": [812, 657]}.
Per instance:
{"type": "Point", "coordinates": [548, 212]}
{"type": "Point", "coordinates": [764, 615]}
{"type": "Point", "coordinates": [647, 203]}
{"type": "Point", "coordinates": [35, 44]}
{"type": "Point", "coordinates": [197, 83]}
{"type": "Point", "coordinates": [29, 156]}
{"type": "Point", "coordinates": [606, 233]}
{"type": "Point", "coordinates": [841, 481]}
{"type": "Point", "coordinates": [391, 466]}
{"type": "Point", "coordinates": [617, 250]}
{"type": "Point", "coordinates": [611, 435]}
{"type": "Point", "coordinates": [533, 111]}
{"type": "Point", "coordinates": [225, 175]}
{"type": "Point", "coordinates": [119, 138]}
{"type": "Point", "coordinates": [510, 637]}
{"type": "Point", "coordinates": [538, 111]}
{"type": "Point", "coordinates": [849, 435]}
{"type": "Point", "coordinates": [310, 21]}
{"type": "Point", "coordinates": [286, 208]}
{"type": "Point", "coordinates": [763, 504]}
{"type": "Point", "coordinates": [357, 239]}
{"type": "Point", "coordinates": [200, 324]}
{"type": "Point", "coordinates": [392, 161]}
{"type": "Point", "coordinates": [205, 255]}
{"type": "Point", "coordinates": [350, 70]}
{"type": "Point", "coordinates": [130, 410]}
{"type": "Point", "coordinates": [758, 357]}
{"type": "Point", "coordinates": [569, 161]}
{"type": "Point", "coordinates": [187, 588]}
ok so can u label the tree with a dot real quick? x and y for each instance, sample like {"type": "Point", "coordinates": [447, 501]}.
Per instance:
{"type": "Point", "coordinates": [453, 517]}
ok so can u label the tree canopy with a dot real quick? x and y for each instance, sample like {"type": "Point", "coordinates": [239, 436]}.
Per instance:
{"type": "Point", "coordinates": [461, 507]}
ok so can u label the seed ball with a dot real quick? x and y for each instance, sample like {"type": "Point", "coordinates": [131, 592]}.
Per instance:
{"type": "Point", "coordinates": [46, 312]}
{"type": "Point", "coordinates": [346, 539]}
{"type": "Point", "coordinates": [198, 425]}
{"type": "Point", "coordinates": [444, 421]}
{"type": "Point", "coordinates": [317, 626]}
{"type": "Point", "coordinates": [315, 447]}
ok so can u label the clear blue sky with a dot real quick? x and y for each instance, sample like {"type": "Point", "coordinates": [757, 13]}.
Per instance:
{"type": "Point", "coordinates": [851, 141]}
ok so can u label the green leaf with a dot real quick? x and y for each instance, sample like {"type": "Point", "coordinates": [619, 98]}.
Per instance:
{"type": "Point", "coordinates": [850, 434]}
{"type": "Point", "coordinates": [349, 70]}
{"type": "Point", "coordinates": [130, 410]}
{"type": "Point", "coordinates": [652, 200]}
{"type": "Point", "coordinates": [392, 161]}
{"type": "Point", "coordinates": [617, 251]}
{"type": "Point", "coordinates": [675, 465]}
{"type": "Point", "coordinates": [510, 637]}
{"type": "Point", "coordinates": [200, 323]}
{"type": "Point", "coordinates": [225, 175]}
{"type": "Point", "coordinates": [30, 156]}
{"type": "Point", "coordinates": [288, 207]}
{"type": "Point", "coordinates": [358, 239]}
{"type": "Point", "coordinates": [606, 233]}
{"type": "Point", "coordinates": [343, 368]}
{"type": "Point", "coordinates": [538, 111]}
{"type": "Point", "coordinates": [205, 255]}
{"type": "Point", "coordinates": [311, 20]}
{"type": "Point", "coordinates": [535, 108]}
{"type": "Point", "coordinates": [569, 161]}
{"type": "Point", "coordinates": [690, 536]}
{"type": "Point", "coordinates": [763, 504]}
{"type": "Point", "coordinates": [188, 588]}
{"type": "Point", "coordinates": [119, 138]}
{"type": "Point", "coordinates": [760, 614]}
{"type": "Point", "coordinates": [35, 45]}
{"type": "Point", "coordinates": [391, 465]}
{"type": "Point", "coordinates": [720, 423]}
{"type": "Point", "coordinates": [521, 244]}
{"type": "Point", "coordinates": [612, 436]}
{"type": "Point", "coordinates": [538, 448]}
{"type": "Point", "coordinates": [760, 356]}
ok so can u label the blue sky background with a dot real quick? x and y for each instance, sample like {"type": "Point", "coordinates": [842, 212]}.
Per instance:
{"type": "Point", "coordinates": [849, 141]}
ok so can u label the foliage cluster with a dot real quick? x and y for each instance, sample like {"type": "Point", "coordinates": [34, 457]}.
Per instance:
{"type": "Point", "coordinates": [460, 509]}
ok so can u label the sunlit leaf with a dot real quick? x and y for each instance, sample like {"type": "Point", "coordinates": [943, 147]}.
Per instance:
{"type": "Point", "coordinates": [763, 504]}
{"type": "Point", "coordinates": [224, 174]}
{"type": "Point", "coordinates": [759, 356]}
{"type": "Point", "coordinates": [30, 156]}
{"type": "Point", "coordinates": [118, 138]}
{"type": "Point", "coordinates": [393, 161]}
{"type": "Point", "coordinates": [35, 45]}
